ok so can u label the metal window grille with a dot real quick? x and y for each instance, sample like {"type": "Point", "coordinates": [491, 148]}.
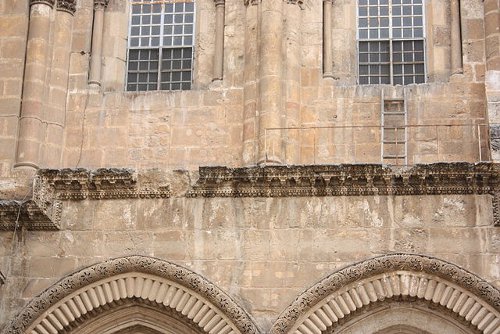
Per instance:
{"type": "Point", "coordinates": [391, 42]}
{"type": "Point", "coordinates": [160, 45]}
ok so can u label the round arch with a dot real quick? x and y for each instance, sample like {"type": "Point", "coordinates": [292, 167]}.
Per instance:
{"type": "Point", "coordinates": [405, 276]}
{"type": "Point", "coordinates": [86, 294]}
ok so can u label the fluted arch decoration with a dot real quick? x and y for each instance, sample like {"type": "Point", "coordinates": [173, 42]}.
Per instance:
{"type": "Point", "coordinates": [386, 277]}
{"type": "Point", "coordinates": [150, 280]}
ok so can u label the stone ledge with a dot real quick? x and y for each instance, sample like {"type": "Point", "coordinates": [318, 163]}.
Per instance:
{"type": "Point", "coordinates": [347, 180]}
{"type": "Point", "coordinates": [52, 186]}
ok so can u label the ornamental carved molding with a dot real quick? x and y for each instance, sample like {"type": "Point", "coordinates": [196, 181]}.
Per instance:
{"type": "Point", "coordinates": [104, 183]}
{"type": "Point", "coordinates": [15, 215]}
{"type": "Point", "coordinates": [387, 277]}
{"type": "Point", "coordinates": [53, 186]}
{"type": "Point", "coordinates": [252, 2]}
{"type": "Point", "coordinates": [68, 6]}
{"type": "Point", "coordinates": [156, 282]}
{"type": "Point", "coordinates": [347, 180]}
{"type": "Point", "coordinates": [43, 2]}
{"type": "Point", "coordinates": [100, 4]}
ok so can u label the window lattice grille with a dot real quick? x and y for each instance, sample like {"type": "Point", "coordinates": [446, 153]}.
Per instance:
{"type": "Point", "coordinates": [161, 39]}
{"type": "Point", "coordinates": [391, 42]}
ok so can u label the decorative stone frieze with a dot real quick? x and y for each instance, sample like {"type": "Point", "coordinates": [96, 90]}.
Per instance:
{"type": "Point", "coordinates": [106, 183]}
{"type": "Point", "coordinates": [68, 6]}
{"type": "Point", "coordinates": [28, 214]}
{"type": "Point", "coordinates": [100, 4]}
{"type": "Point", "coordinates": [390, 276]}
{"type": "Point", "coordinates": [347, 180]}
{"type": "Point", "coordinates": [45, 2]}
{"type": "Point", "coordinates": [139, 278]}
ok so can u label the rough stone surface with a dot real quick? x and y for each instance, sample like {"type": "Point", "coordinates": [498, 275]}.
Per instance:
{"type": "Point", "coordinates": [264, 182]}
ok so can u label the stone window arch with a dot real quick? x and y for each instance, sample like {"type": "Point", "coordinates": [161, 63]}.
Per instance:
{"type": "Point", "coordinates": [454, 295]}
{"type": "Point", "coordinates": [94, 299]}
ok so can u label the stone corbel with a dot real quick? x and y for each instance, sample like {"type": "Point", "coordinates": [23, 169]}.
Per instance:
{"type": "Point", "coordinates": [68, 6]}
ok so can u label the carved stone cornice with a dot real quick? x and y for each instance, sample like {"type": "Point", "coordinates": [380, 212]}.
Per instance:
{"type": "Point", "coordinates": [252, 2]}
{"type": "Point", "coordinates": [28, 214]}
{"type": "Point", "coordinates": [43, 2]}
{"type": "Point", "coordinates": [347, 180]}
{"type": "Point", "coordinates": [52, 186]}
{"type": "Point", "coordinates": [68, 6]}
{"type": "Point", "coordinates": [100, 4]}
{"type": "Point", "coordinates": [105, 183]}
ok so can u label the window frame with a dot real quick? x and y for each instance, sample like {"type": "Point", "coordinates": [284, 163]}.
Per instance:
{"type": "Point", "coordinates": [161, 48]}
{"type": "Point", "coordinates": [390, 39]}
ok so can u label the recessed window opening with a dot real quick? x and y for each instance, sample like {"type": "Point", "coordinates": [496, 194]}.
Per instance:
{"type": "Point", "coordinates": [160, 45]}
{"type": "Point", "coordinates": [391, 42]}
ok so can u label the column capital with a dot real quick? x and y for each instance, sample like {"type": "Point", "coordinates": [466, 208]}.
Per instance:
{"type": "Point", "coordinates": [43, 2]}
{"type": "Point", "coordinates": [100, 4]}
{"type": "Point", "coordinates": [68, 6]}
{"type": "Point", "coordinates": [294, 2]}
{"type": "Point", "coordinates": [252, 2]}
{"type": "Point", "coordinates": [219, 2]}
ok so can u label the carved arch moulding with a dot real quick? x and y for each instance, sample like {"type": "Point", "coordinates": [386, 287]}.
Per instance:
{"type": "Point", "coordinates": [86, 294]}
{"type": "Point", "coordinates": [405, 277]}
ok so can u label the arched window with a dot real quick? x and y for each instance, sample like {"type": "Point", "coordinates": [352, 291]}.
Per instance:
{"type": "Point", "coordinates": [160, 45]}
{"type": "Point", "coordinates": [391, 42]}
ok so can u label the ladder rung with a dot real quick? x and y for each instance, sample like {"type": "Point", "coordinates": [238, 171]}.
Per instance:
{"type": "Point", "coordinates": [394, 142]}
{"type": "Point", "coordinates": [394, 156]}
{"type": "Point", "coordinates": [394, 113]}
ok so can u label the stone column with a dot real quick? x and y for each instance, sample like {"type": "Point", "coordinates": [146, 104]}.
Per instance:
{"type": "Point", "coordinates": [58, 84]}
{"type": "Point", "coordinates": [456, 38]}
{"type": "Point", "coordinates": [250, 91]}
{"type": "Point", "coordinates": [96, 55]}
{"type": "Point", "coordinates": [492, 75]}
{"type": "Point", "coordinates": [270, 82]}
{"type": "Point", "coordinates": [219, 39]}
{"type": "Point", "coordinates": [293, 20]}
{"type": "Point", "coordinates": [327, 39]}
{"type": "Point", "coordinates": [31, 123]}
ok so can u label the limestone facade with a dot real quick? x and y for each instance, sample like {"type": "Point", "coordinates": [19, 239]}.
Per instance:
{"type": "Point", "coordinates": [274, 196]}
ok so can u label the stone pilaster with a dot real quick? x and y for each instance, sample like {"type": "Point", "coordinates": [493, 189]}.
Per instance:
{"type": "Point", "coordinates": [327, 39]}
{"type": "Point", "coordinates": [219, 39]}
{"type": "Point", "coordinates": [293, 20]}
{"type": "Point", "coordinates": [492, 75]}
{"type": "Point", "coordinates": [250, 90]}
{"type": "Point", "coordinates": [270, 82]}
{"type": "Point", "coordinates": [96, 55]}
{"type": "Point", "coordinates": [456, 38]}
{"type": "Point", "coordinates": [32, 123]}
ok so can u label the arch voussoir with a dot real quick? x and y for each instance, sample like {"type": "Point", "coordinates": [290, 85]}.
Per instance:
{"type": "Point", "coordinates": [138, 278]}
{"type": "Point", "coordinates": [388, 277]}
